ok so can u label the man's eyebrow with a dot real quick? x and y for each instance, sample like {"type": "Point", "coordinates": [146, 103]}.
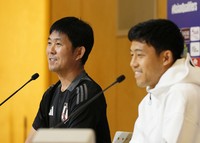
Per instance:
{"type": "Point", "coordinates": [136, 50]}
{"type": "Point", "coordinates": [54, 39]}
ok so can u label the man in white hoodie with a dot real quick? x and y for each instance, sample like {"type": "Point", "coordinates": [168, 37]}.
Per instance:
{"type": "Point", "coordinates": [170, 112]}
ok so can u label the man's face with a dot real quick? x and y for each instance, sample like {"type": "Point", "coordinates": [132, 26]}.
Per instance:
{"type": "Point", "coordinates": [146, 64]}
{"type": "Point", "coordinates": [61, 57]}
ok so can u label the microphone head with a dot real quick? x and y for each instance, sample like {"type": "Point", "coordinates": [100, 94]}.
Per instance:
{"type": "Point", "coordinates": [120, 78]}
{"type": "Point", "coordinates": [35, 76]}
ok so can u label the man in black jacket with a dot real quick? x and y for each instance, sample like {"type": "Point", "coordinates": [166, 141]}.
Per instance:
{"type": "Point", "coordinates": [69, 45]}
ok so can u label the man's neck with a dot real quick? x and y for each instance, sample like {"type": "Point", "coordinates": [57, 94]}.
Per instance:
{"type": "Point", "coordinates": [66, 79]}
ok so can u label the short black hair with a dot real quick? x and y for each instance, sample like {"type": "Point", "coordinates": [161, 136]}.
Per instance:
{"type": "Point", "coordinates": [162, 34]}
{"type": "Point", "coordinates": [79, 33]}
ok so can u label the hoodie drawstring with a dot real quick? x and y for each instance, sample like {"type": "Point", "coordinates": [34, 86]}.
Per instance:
{"type": "Point", "coordinates": [150, 100]}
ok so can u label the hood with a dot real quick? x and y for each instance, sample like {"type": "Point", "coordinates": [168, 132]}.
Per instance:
{"type": "Point", "coordinates": [182, 71]}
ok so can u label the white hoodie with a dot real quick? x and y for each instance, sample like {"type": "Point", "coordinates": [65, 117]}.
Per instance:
{"type": "Point", "coordinates": [170, 112]}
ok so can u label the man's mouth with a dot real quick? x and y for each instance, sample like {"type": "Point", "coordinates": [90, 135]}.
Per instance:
{"type": "Point", "coordinates": [138, 74]}
{"type": "Point", "coordinates": [52, 59]}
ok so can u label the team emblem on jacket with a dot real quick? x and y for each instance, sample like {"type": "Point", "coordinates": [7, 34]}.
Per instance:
{"type": "Point", "coordinates": [64, 114]}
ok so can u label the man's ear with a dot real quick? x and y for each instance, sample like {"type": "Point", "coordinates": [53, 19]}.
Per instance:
{"type": "Point", "coordinates": [80, 51]}
{"type": "Point", "coordinates": [167, 58]}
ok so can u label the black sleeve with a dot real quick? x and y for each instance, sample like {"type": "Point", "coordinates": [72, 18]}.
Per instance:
{"type": "Point", "coordinates": [42, 118]}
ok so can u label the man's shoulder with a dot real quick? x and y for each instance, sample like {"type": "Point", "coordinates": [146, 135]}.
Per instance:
{"type": "Point", "coordinates": [90, 82]}
{"type": "Point", "coordinates": [51, 89]}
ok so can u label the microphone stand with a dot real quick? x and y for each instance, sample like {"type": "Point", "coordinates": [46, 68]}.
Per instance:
{"type": "Point", "coordinates": [35, 76]}
{"type": "Point", "coordinates": [119, 79]}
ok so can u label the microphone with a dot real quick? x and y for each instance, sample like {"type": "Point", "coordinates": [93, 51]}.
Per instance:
{"type": "Point", "coordinates": [33, 77]}
{"type": "Point", "coordinates": [118, 80]}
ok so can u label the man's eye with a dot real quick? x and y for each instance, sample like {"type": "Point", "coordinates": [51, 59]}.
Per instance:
{"type": "Point", "coordinates": [59, 44]}
{"type": "Point", "coordinates": [140, 55]}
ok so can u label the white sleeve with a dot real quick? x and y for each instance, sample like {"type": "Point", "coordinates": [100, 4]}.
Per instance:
{"type": "Point", "coordinates": [181, 117]}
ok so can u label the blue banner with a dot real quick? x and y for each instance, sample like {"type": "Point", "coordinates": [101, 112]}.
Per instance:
{"type": "Point", "coordinates": [186, 14]}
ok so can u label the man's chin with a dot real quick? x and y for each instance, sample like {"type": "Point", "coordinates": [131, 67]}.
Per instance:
{"type": "Point", "coordinates": [141, 85]}
{"type": "Point", "coordinates": [52, 69]}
